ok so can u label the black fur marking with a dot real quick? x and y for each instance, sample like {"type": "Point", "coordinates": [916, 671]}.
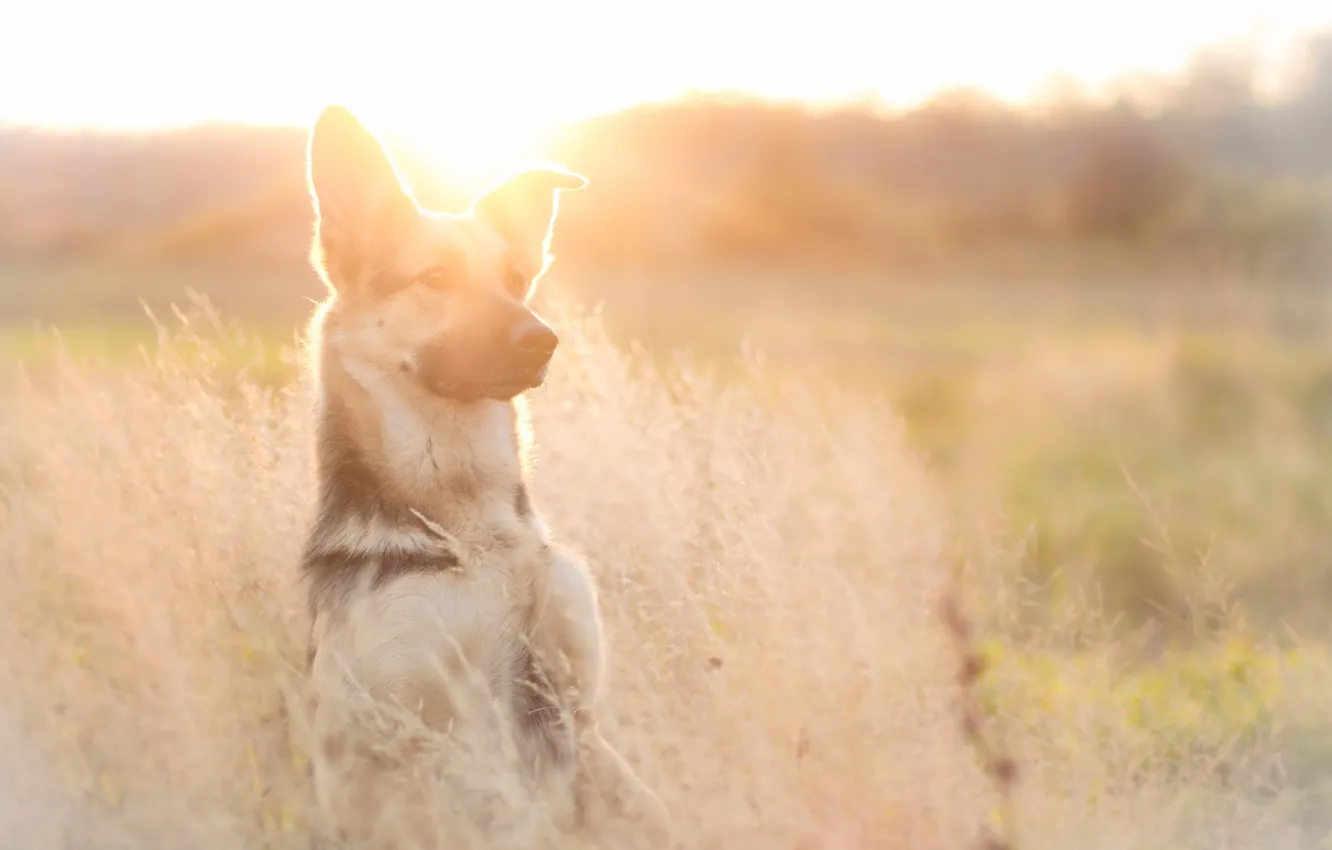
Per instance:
{"type": "Point", "coordinates": [331, 575]}
{"type": "Point", "coordinates": [538, 711]}
{"type": "Point", "coordinates": [522, 502]}
{"type": "Point", "coordinates": [351, 491]}
{"type": "Point", "coordinates": [349, 486]}
{"type": "Point", "coordinates": [395, 565]}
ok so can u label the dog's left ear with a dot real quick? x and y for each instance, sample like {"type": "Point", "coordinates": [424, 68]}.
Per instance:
{"type": "Point", "coordinates": [522, 210]}
{"type": "Point", "coordinates": [358, 196]}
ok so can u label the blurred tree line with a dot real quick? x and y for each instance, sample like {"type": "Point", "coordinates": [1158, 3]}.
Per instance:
{"type": "Point", "coordinates": [1199, 171]}
{"type": "Point", "coordinates": [1197, 175]}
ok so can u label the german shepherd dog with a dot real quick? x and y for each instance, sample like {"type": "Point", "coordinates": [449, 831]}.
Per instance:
{"type": "Point", "coordinates": [432, 584]}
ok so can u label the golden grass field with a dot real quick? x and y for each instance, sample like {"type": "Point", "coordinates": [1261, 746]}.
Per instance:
{"type": "Point", "coordinates": [1129, 492]}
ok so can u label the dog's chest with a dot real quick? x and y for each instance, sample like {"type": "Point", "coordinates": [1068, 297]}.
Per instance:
{"type": "Point", "coordinates": [458, 627]}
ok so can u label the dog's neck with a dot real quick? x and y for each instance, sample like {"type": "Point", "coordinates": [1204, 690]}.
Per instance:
{"type": "Point", "coordinates": [390, 451]}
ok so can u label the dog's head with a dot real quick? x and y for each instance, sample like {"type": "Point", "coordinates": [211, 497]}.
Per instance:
{"type": "Point", "coordinates": [439, 299]}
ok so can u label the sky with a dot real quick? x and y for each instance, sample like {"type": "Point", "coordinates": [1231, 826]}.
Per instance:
{"type": "Point", "coordinates": [478, 79]}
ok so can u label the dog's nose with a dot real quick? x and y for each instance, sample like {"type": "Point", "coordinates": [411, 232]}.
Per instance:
{"type": "Point", "coordinates": [534, 340]}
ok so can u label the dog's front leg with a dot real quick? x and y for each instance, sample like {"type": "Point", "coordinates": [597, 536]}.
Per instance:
{"type": "Point", "coordinates": [566, 632]}
{"type": "Point", "coordinates": [568, 636]}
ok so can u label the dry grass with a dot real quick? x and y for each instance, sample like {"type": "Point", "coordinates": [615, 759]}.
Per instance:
{"type": "Point", "coordinates": [771, 564]}
{"type": "Point", "coordinates": [748, 551]}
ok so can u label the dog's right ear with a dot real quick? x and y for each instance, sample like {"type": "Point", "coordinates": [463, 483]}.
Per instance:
{"type": "Point", "coordinates": [358, 196]}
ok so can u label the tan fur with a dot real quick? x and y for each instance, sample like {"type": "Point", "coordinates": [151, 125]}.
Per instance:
{"type": "Point", "coordinates": [445, 643]}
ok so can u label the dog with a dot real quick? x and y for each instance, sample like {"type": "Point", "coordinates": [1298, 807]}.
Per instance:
{"type": "Point", "coordinates": [434, 588]}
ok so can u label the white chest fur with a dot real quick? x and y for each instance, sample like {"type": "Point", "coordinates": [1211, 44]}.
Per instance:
{"type": "Point", "coordinates": [444, 643]}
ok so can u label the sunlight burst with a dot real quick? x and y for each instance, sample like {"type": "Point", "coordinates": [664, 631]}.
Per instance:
{"type": "Point", "coordinates": [466, 143]}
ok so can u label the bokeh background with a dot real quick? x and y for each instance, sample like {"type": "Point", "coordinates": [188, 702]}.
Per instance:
{"type": "Point", "coordinates": [1074, 260]}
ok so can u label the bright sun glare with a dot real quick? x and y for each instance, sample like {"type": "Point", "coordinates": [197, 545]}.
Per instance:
{"type": "Point", "coordinates": [468, 150]}
{"type": "Point", "coordinates": [461, 139]}
{"type": "Point", "coordinates": [473, 86]}
{"type": "Point", "coordinates": [470, 131]}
